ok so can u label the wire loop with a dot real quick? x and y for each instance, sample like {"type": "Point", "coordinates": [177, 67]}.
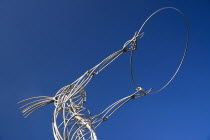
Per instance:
{"type": "Point", "coordinates": [183, 57]}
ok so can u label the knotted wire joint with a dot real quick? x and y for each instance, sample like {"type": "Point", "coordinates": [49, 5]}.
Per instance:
{"type": "Point", "coordinates": [141, 90]}
{"type": "Point", "coordinates": [132, 43]}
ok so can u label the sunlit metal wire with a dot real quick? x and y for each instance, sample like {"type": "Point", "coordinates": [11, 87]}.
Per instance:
{"type": "Point", "coordinates": [71, 120]}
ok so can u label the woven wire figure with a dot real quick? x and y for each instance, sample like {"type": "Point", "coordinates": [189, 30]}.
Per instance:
{"type": "Point", "coordinates": [71, 120]}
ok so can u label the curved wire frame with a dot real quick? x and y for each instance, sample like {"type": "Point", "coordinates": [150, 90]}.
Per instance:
{"type": "Point", "coordinates": [184, 54]}
{"type": "Point", "coordinates": [71, 120]}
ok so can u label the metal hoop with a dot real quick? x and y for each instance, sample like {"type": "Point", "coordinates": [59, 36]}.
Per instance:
{"type": "Point", "coordinates": [184, 54]}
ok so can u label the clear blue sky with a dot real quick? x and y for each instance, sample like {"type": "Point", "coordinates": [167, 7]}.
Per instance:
{"type": "Point", "coordinates": [47, 44]}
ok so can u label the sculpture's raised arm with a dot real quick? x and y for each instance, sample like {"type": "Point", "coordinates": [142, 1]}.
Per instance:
{"type": "Point", "coordinates": [110, 110]}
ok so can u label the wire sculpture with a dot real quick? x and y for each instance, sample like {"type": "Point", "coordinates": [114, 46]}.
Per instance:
{"type": "Point", "coordinates": [71, 120]}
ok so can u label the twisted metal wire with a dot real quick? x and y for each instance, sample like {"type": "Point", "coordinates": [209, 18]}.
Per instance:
{"type": "Point", "coordinates": [71, 120]}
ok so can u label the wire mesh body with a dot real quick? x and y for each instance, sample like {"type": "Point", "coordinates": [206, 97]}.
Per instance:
{"type": "Point", "coordinates": [71, 120]}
